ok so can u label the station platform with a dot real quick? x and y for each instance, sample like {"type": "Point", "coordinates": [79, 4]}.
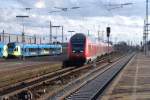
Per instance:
{"type": "Point", "coordinates": [133, 82]}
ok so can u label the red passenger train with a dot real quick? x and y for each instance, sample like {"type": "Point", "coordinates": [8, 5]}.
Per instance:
{"type": "Point", "coordinates": [82, 49]}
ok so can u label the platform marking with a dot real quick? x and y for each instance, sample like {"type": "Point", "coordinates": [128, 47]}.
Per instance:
{"type": "Point", "coordinates": [134, 95]}
{"type": "Point", "coordinates": [108, 93]}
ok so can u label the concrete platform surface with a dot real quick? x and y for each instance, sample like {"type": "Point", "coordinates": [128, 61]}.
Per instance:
{"type": "Point", "coordinates": [133, 83]}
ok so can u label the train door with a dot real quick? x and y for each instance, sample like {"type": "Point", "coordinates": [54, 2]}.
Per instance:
{"type": "Point", "coordinates": [1, 52]}
{"type": "Point", "coordinates": [5, 53]}
{"type": "Point", "coordinates": [17, 51]}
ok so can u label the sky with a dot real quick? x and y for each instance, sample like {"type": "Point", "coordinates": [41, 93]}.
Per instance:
{"type": "Point", "coordinates": [126, 21]}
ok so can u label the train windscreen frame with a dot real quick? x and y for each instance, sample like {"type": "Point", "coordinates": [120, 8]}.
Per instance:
{"type": "Point", "coordinates": [11, 45]}
{"type": "Point", "coordinates": [78, 43]}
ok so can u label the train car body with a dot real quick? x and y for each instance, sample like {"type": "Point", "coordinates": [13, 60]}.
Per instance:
{"type": "Point", "coordinates": [27, 50]}
{"type": "Point", "coordinates": [82, 49]}
{"type": "Point", "coordinates": [56, 49]}
{"type": "Point", "coordinates": [45, 50]}
{"type": "Point", "coordinates": [3, 50]}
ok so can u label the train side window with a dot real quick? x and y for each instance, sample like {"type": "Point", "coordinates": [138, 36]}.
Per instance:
{"type": "Point", "coordinates": [16, 49]}
{"type": "Point", "coordinates": [26, 49]}
{"type": "Point", "coordinates": [21, 49]}
{"type": "Point", "coordinates": [36, 49]}
{"type": "Point", "coordinates": [30, 49]}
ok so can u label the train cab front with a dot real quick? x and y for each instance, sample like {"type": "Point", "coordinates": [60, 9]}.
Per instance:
{"type": "Point", "coordinates": [77, 49]}
{"type": "Point", "coordinates": [13, 50]}
{"type": "Point", "coordinates": [1, 52]}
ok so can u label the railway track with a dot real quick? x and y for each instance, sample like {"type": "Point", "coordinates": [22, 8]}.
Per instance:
{"type": "Point", "coordinates": [19, 65]}
{"type": "Point", "coordinates": [37, 87]}
{"type": "Point", "coordinates": [25, 71]}
{"type": "Point", "coordinates": [93, 87]}
{"type": "Point", "coordinates": [18, 87]}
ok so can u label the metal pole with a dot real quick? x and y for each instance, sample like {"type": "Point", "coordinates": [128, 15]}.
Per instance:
{"type": "Point", "coordinates": [50, 32]}
{"type": "Point", "coordinates": [144, 37]}
{"type": "Point", "coordinates": [56, 34]}
{"type": "Point", "coordinates": [88, 32]}
{"type": "Point", "coordinates": [146, 29]}
{"type": "Point", "coordinates": [17, 38]}
{"type": "Point", "coordinates": [147, 11]}
{"type": "Point", "coordinates": [98, 34]}
{"type": "Point", "coordinates": [40, 40]}
{"type": "Point", "coordinates": [34, 39]}
{"type": "Point", "coordinates": [3, 36]}
{"type": "Point", "coordinates": [108, 35]}
{"type": "Point", "coordinates": [108, 51]}
{"type": "Point", "coordinates": [57, 31]}
{"type": "Point", "coordinates": [30, 39]}
{"type": "Point", "coordinates": [9, 38]}
{"type": "Point", "coordinates": [62, 34]}
{"type": "Point", "coordinates": [23, 37]}
{"type": "Point", "coordinates": [102, 37]}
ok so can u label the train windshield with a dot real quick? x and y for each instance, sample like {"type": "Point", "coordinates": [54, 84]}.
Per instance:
{"type": "Point", "coordinates": [11, 45]}
{"type": "Point", "coordinates": [78, 43]}
{"type": "Point", "coordinates": [77, 47]}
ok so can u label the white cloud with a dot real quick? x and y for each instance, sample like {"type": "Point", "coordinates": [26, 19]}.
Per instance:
{"type": "Point", "coordinates": [40, 4]}
{"type": "Point", "coordinates": [93, 15]}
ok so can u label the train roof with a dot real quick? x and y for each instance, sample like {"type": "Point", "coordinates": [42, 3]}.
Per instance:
{"type": "Point", "coordinates": [30, 46]}
{"type": "Point", "coordinates": [78, 37]}
{"type": "Point", "coordinates": [1, 44]}
{"type": "Point", "coordinates": [84, 36]}
{"type": "Point", "coordinates": [89, 38]}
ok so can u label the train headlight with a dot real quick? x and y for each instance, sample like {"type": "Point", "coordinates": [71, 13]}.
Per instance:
{"type": "Point", "coordinates": [81, 51]}
{"type": "Point", "coordinates": [73, 51]}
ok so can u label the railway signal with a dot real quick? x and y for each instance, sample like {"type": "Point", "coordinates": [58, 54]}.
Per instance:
{"type": "Point", "coordinates": [108, 30]}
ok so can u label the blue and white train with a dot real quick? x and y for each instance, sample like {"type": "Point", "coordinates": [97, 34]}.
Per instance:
{"type": "Point", "coordinates": [26, 50]}
{"type": "Point", "coordinates": [3, 50]}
